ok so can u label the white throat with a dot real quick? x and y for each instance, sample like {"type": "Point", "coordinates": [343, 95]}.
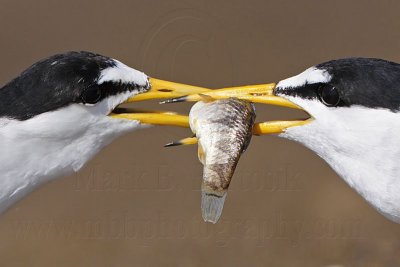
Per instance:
{"type": "Point", "coordinates": [361, 145]}
{"type": "Point", "coordinates": [51, 145]}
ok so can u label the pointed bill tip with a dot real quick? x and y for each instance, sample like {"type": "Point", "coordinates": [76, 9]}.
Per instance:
{"type": "Point", "coordinates": [184, 141]}
{"type": "Point", "coordinates": [172, 144]}
{"type": "Point", "coordinates": [175, 100]}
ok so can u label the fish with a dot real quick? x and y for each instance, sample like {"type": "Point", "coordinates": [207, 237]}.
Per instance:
{"type": "Point", "coordinates": [223, 129]}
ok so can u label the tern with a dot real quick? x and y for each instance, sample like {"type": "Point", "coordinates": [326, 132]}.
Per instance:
{"type": "Point", "coordinates": [354, 122]}
{"type": "Point", "coordinates": [57, 114]}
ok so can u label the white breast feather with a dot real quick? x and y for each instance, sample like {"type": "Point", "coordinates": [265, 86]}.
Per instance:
{"type": "Point", "coordinates": [361, 144]}
{"type": "Point", "coordinates": [54, 144]}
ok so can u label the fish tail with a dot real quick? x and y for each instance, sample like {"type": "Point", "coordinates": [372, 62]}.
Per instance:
{"type": "Point", "coordinates": [212, 205]}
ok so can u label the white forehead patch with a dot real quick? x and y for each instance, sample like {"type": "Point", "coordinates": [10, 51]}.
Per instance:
{"type": "Point", "coordinates": [122, 73]}
{"type": "Point", "coordinates": [309, 76]}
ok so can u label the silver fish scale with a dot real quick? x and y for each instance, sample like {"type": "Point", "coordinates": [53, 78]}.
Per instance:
{"type": "Point", "coordinates": [223, 127]}
{"type": "Point", "coordinates": [224, 130]}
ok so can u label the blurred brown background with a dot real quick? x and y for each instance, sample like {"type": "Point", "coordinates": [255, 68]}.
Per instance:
{"type": "Point", "coordinates": [138, 204]}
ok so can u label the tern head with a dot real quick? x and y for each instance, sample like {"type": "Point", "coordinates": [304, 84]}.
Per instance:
{"type": "Point", "coordinates": [354, 125]}
{"type": "Point", "coordinates": [62, 110]}
{"type": "Point", "coordinates": [68, 95]}
{"type": "Point", "coordinates": [72, 91]}
{"type": "Point", "coordinates": [353, 106]}
{"type": "Point", "coordinates": [90, 81]}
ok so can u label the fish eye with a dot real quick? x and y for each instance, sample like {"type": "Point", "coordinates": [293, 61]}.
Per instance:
{"type": "Point", "coordinates": [91, 95]}
{"type": "Point", "coordinates": [329, 95]}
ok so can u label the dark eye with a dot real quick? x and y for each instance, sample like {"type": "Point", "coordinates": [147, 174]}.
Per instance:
{"type": "Point", "coordinates": [329, 95]}
{"type": "Point", "coordinates": [91, 95]}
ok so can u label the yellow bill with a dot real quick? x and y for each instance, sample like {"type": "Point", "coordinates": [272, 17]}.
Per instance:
{"type": "Point", "coordinates": [160, 89]}
{"type": "Point", "coordinates": [166, 118]}
{"type": "Point", "coordinates": [271, 127]}
{"type": "Point", "coordinates": [262, 93]}
{"type": "Point", "coordinates": [178, 92]}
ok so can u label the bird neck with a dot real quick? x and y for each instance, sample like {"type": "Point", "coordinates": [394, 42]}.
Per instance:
{"type": "Point", "coordinates": [363, 148]}
{"type": "Point", "coordinates": [49, 146]}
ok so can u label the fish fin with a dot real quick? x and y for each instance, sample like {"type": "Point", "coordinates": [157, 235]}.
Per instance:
{"type": "Point", "coordinates": [211, 206]}
{"type": "Point", "coordinates": [201, 154]}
